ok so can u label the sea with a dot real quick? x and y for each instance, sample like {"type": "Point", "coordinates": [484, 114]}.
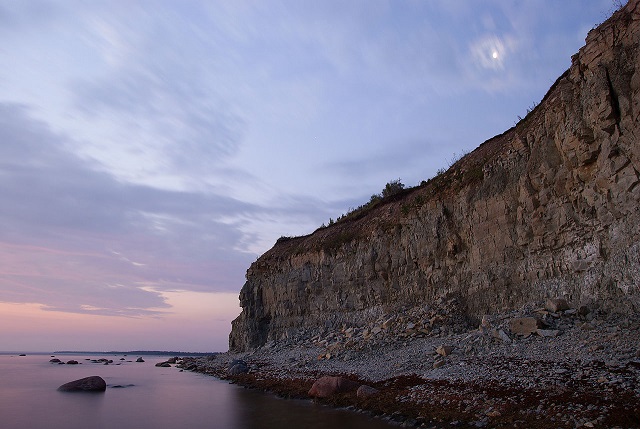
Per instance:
{"type": "Point", "coordinates": [140, 395]}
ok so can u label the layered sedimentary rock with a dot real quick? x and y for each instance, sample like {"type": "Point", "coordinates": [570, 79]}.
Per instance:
{"type": "Point", "coordinates": [550, 208]}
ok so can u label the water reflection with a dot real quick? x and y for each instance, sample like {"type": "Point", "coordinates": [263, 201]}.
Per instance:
{"type": "Point", "coordinates": [153, 398]}
{"type": "Point", "coordinates": [257, 410]}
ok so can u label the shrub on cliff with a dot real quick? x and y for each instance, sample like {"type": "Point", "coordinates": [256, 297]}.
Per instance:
{"type": "Point", "coordinates": [392, 188]}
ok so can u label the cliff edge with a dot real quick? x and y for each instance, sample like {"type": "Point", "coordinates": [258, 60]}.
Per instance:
{"type": "Point", "coordinates": [549, 208]}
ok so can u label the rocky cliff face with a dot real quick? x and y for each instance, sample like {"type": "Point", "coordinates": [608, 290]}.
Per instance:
{"type": "Point", "coordinates": [549, 208]}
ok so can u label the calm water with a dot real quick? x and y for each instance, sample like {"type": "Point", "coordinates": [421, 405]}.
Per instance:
{"type": "Point", "coordinates": [159, 398]}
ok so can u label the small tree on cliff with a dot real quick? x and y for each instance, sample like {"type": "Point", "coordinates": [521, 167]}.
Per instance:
{"type": "Point", "coordinates": [392, 188]}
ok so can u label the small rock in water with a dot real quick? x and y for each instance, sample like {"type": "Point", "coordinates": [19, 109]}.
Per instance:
{"type": "Point", "coordinates": [139, 360]}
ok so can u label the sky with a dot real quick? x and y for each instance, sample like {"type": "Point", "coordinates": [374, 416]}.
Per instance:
{"type": "Point", "coordinates": [150, 151]}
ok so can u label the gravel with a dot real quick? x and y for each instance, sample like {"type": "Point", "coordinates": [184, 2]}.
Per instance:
{"type": "Point", "coordinates": [586, 376]}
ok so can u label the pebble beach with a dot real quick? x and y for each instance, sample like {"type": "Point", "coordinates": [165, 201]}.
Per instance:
{"type": "Point", "coordinates": [533, 368]}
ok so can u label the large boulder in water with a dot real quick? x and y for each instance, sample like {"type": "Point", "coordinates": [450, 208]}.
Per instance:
{"type": "Point", "coordinates": [87, 384]}
{"type": "Point", "coordinates": [328, 386]}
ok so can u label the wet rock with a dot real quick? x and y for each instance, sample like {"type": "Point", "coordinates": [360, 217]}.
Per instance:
{"type": "Point", "coordinates": [237, 366]}
{"type": "Point", "coordinates": [139, 360]}
{"type": "Point", "coordinates": [328, 386]}
{"type": "Point", "coordinates": [163, 365]}
{"type": "Point", "coordinates": [72, 362]}
{"type": "Point", "coordinates": [365, 391]}
{"type": "Point", "coordinates": [87, 384]}
{"type": "Point", "coordinates": [238, 369]}
{"type": "Point", "coordinates": [55, 360]}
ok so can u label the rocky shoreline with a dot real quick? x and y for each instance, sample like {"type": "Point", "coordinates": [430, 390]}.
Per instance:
{"type": "Point", "coordinates": [535, 368]}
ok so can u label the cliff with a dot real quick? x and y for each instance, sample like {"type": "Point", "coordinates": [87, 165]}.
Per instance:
{"type": "Point", "coordinates": [549, 208]}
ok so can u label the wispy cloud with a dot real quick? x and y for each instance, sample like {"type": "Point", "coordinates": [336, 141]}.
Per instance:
{"type": "Point", "coordinates": [148, 147]}
{"type": "Point", "coordinates": [78, 229]}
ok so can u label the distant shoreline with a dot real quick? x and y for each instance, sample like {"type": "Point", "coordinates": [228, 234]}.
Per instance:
{"type": "Point", "coordinates": [140, 352]}
{"type": "Point", "coordinates": [132, 352]}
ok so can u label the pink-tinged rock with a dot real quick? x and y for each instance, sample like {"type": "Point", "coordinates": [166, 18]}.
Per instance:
{"type": "Point", "coordinates": [328, 386]}
{"type": "Point", "coordinates": [365, 391]}
{"type": "Point", "coordinates": [557, 304]}
{"type": "Point", "coordinates": [444, 350]}
{"type": "Point", "coordinates": [523, 325]}
{"type": "Point", "coordinates": [87, 384]}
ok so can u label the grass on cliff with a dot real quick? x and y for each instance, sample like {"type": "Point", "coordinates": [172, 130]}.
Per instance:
{"type": "Point", "coordinates": [385, 211]}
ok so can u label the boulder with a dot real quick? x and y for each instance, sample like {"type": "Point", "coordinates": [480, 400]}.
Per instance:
{"type": "Point", "coordinates": [444, 350]}
{"type": "Point", "coordinates": [139, 360]}
{"type": "Point", "coordinates": [365, 391]}
{"type": "Point", "coordinates": [523, 325]}
{"type": "Point", "coordinates": [236, 362]}
{"type": "Point", "coordinates": [501, 335]}
{"type": "Point", "coordinates": [328, 386]}
{"type": "Point", "coordinates": [583, 310]}
{"type": "Point", "coordinates": [87, 384]}
{"type": "Point", "coordinates": [55, 360]}
{"type": "Point", "coordinates": [163, 364]}
{"type": "Point", "coordinates": [72, 362]}
{"type": "Point", "coordinates": [556, 304]}
{"type": "Point", "coordinates": [237, 366]}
